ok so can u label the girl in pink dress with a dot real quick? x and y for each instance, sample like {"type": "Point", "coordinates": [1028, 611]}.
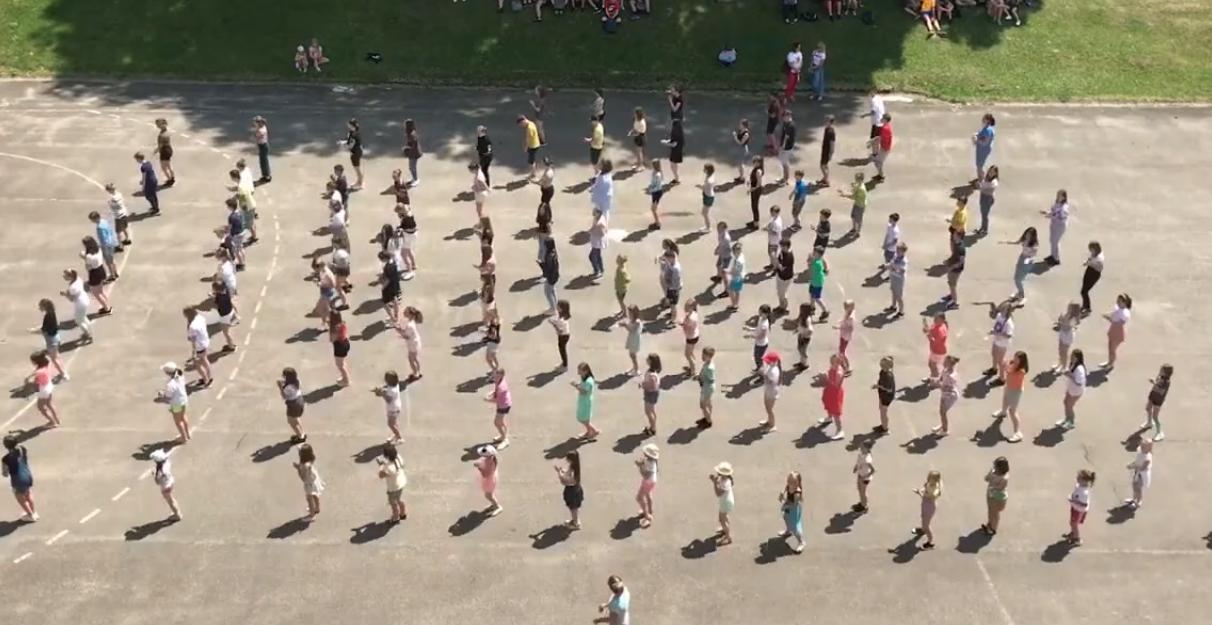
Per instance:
{"type": "Point", "coordinates": [833, 396]}
{"type": "Point", "coordinates": [487, 467]}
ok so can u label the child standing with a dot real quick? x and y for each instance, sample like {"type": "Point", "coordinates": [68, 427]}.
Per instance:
{"type": "Point", "coordinates": [650, 385]}
{"type": "Point", "coordinates": [691, 328]}
{"type": "Point", "coordinates": [885, 391]}
{"type": "Point", "coordinates": [708, 195]}
{"type": "Point", "coordinates": [503, 400]}
{"type": "Point", "coordinates": [822, 229]}
{"type": "Point", "coordinates": [930, 492]}
{"type": "Point", "coordinates": [1016, 380]}
{"type": "Point", "coordinates": [42, 379]}
{"type": "Point", "coordinates": [803, 334]}
{"type": "Point", "coordinates": [833, 397]}
{"type": "Point", "coordinates": [487, 466]}
{"type": "Point", "coordinates": [721, 483]}
{"type": "Point", "coordinates": [723, 256]}
{"type": "Point", "coordinates": [634, 329]}
{"type": "Point", "coordinates": [792, 504]}
{"type": "Point", "coordinates": [799, 196]}
{"type": "Point", "coordinates": [313, 486]}
{"type": "Point", "coordinates": [760, 333]}
{"type": "Point", "coordinates": [563, 329]}
{"type": "Point", "coordinates": [117, 209]}
{"type": "Point", "coordinates": [1157, 396]}
{"type": "Point", "coordinates": [858, 197]}
{"type": "Point", "coordinates": [622, 279]}
{"type": "Point", "coordinates": [656, 188]}
{"type": "Point", "coordinates": [818, 268]}
{"type": "Point", "coordinates": [492, 339]}
{"type": "Point", "coordinates": [647, 463]}
{"type": "Point", "coordinates": [736, 276]}
{"type": "Point", "coordinates": [706, 378]}
{"type": "Point", "coordinates": [163, 475]}
{"type": "Point", "coordinates": [864, 470]}
{"type": "Point", "coordinates": [412, 340]}
{"type": "Point", "coordinates": [845, 333]}
{"type": "Point", "coordinates": [390, 392]}
{"type": "Point", "coordinates": [774, 236]}
{"type": "Point", "coordinates": [1075, 387]}
{"type": "Point", "coordinates": [1066, 330]}
{"type": "Point", "coordinates": [1142, 473]}
{"type": "Point", "coordinates": [1079, 504]}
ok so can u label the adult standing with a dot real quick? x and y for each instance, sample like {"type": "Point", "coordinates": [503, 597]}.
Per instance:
{"type": "Point", "coordinates": [484, 151]}
{"type": "Point", "coordinates": [983, 142]}
{"type": "Point", "coordinates": [412, 150]}
{"type": "Point", "coordinates": [786, 146]}
{"type": "Point", "coordinates": [996, 482]}
{"type": "Point", "coordinates": [677, 146]}
{"type": "Point", "coordinates": [1058, 221]}
{"type": "Point", "coordinates": [530, 143]}
{"type": "Point", "coordinates": [677, 103]}
{"type": "Point", "coordinates": [260, 132]}
{"type": "Point", "coordinates": [828, 141]}
{"type": "Point", "coordinates": [794, 65]}
{"type": "Point", "coordinates": [164, 149]}
{"type": "Point", "coordinates": [148, 183]}
{"type": "Point", "coordinates": [353, 142]}
{"type": "Point", "coordinates": [817, 68]}
{"type": "Point", "coordinates": [876, 102]}
{"type": "Point", "coordinates": [883, 146]}
{"type": "Point", "coordinates": [618, 606]}
{"type": "Point", "coordinates": [15, 466]}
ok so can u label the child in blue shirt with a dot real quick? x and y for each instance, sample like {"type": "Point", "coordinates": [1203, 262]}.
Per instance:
{"type": "Point", "coordinates": [799, 195]}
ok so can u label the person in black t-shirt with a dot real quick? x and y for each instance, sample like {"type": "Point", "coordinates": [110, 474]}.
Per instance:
{"type": "Point", "coordinates": [830, 137]}
{"type": "Point", "coordinates": [787, 147]}
{"type": "Point", "coordinates": [784, 273]}
{"type": "Point", "coordinates": [484, 151]}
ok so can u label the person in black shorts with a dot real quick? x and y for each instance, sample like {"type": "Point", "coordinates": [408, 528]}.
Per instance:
{"type": "Point", "coordinates": [755, 190]}
{"type": "Point", "coordinates": [484, 151]}
{"type": "Point", "coordinates": [353, 141]}
{"type": "Point", "coordinates": [885, 389]}
{"type": "Point", "coordinates": [677, 144]}
{"type": "Point", "coordinates": [164, 148]}
{"type": "Point", "coordinates": [827, 143]}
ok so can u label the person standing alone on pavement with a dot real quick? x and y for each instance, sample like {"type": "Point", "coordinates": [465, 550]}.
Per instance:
{"type": "Point", "coordinates": [148, 183]}
{"type": "Point", "coordinates": [260, 131]}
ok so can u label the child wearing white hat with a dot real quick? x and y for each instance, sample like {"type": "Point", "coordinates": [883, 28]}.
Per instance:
{"type": "Point", "coordinates": [721, 482]}
{"type": "Point", "coordinates": [650, 456]}
{"type": "Point", "coordinates": [163, 475]}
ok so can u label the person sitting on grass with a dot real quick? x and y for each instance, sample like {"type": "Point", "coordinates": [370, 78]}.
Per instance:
{"type": "Point", "coordinates": [929, 18]}
{"type": "Point", "coordinates": [611, 10]}
{"type": "Point", "coordinates": [557, 6]}
{"type": "Point", "coordinates": [945, 8]}
{"type": "Point", "coordinates": [727, 56]}
{"type": "Point", "coordinates": [315, 54]}
{"type": "Point", "coordinates": [640, 7]}
{"type": "Point", "coordinates": [300, 60]}
{"type": "Point", "coordinates": [853, 6]}
{"type": "Point", "coordinates": [791, 11]}
{"type": "Point", "coordinates": [581, 4]}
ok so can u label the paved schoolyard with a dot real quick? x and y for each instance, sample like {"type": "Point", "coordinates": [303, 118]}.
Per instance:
{"type": "Point", "coordinates": [102, 554]}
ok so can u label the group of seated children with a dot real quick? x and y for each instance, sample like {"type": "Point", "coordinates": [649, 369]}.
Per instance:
{"type": "Point", "coordinates": [611, 10]}
{"type": "Point", "coordinates": [311, 58]}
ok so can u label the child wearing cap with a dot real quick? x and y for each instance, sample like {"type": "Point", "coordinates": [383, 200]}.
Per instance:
{"type": "Point", "coordinates": [721, 482]}
{"type": "Point", "coordinates": [164, 479]}
{"type": "Point", "coordinates": [486, 465]}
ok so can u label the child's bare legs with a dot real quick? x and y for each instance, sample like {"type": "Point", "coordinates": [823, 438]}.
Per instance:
{"type": "Point", "coordinates": [1112, 346]}
{"type": "Point", "coordinates": [102, 298]}
{"type": "Point", "coordinates": [171, 501]}
{"type": "Point", "coordinates": [167, 168]}
{"type": "Point", "coordinates": [725, 529]}
{"type": "Point", "coordinates": [706, 408]}
{"type": "Point", "coordinates": [735, 298]}
{"type": "Point", "coordinates": [1013, 414]}
{"type": "Point", "coordinates": [313, 505]}
{"type": "Point", "coordinates": [493, 504]}
{"type": "Point", "coordinates": [26, 501]}
{"type": "Point", "coordinates": [862, 493]}
{"type": "Point", "coordinates": [358, 172]}
{"type": "Point", "coordinates": [933, 368]}
{"type": "Point", "coordinates": [673, 167]}
{"type": "Point", "coordinates": [995, 514]}
{"type": "Point", "coordinates": [502, 424]}
{"type": "Point", "coordinates": [202, 364]}
{"type": "Point", "coordinates": [181, 421]}
{"type": "Point", "coordinates": [635, 364]}
{"type": "Point", "coordinates": [414, 363]}
{"type": "Point", "coordinates": [656, 219]}
{"type": "Point", "coordinates": [47, 408]}
{"type": "Point", "coordinates": [621, 299]}
{"type": "Point", "coordinates": [884, 417]}
{"type": "Point", "coordinates": [343, 370]}
{"type": "Point", "coordinates": [393, 424]}
{"type": "Point", "coordinates": [293, 422]}
{"type": "Point", "coordinates": [690, 363]}
{"type": "Point", "coordinates": [490, 358]}
{"type": "Point", "coordinates": [650, 413]}
{"type": "Point", "coordinates": [707, 218]}
{"type": "Point", "coordinates": [768, 403]}
{"type": "Point", "coordinates": [231, 342]}
{"type": "Point", "coordinates": [53, 355]}
{"type": "Point", "coordinates": [997, 358]}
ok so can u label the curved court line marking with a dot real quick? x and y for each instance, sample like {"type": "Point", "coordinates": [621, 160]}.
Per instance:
{"type": "Point", "coordinates": [121, 268]}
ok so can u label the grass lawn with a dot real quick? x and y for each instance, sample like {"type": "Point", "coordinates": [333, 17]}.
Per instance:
{"type": "Point", "coordinates": [1065, 50]}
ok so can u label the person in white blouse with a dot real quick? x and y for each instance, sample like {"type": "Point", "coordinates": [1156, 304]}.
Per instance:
{"type": "Point", "coordinates": [163, 474]}
{"type": "Point", "coordinates": [878, 109]}
{"type": "Point", "coordinates": [1142, 473]}
{"type": "Point", "coordinates": [795, 65]}
{"type": "Point", "coordinates": [1075, 387]}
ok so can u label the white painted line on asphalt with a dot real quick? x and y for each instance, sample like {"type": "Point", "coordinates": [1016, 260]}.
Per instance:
{"type": "Point", "coordinates": [54, 539]}
{"type": "Point", "coordinates": [257, 308]}
{"type": "Point", "coordinates": [181, 134]}
{"type": "Point", "coordinates": [247, 338]}
{"type": "Point", "coordinates": [120, 494]}
{"type": "Point", "coordinates": [993, 592]}
{"type": "Point", "coordinates": [234, 371]}
{"type": "Point", "coordinates": [222, 392]}
{"type": "Point", "coordinates": [25, 556]}
{"type": "Point", "coordinates": [93, 112]}
{"type": "Point", "coordinates": [145, 474]}
{"type": "Point", "coordinates": [88, 517]}
{"type": "Point", "coordinates": [253, 325]}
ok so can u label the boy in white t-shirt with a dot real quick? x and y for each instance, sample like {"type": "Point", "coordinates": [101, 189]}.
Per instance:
{"type": "Point", "coordinates": [390, 392]}
{"type": "Point", "coordinates": [1079, 503]}
{"type": "Point", "coordinates": [864, 469]}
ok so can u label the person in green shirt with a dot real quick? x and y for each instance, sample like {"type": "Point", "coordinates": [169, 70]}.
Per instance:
{"type": "Point", "coordinates": [586, 387]}
{"type": "Point", "coordinates": [858, 195]}
{"type": "Point", "coordinates": [818, 268]}
{"type": "Point", "coordinates": [706, 378]}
